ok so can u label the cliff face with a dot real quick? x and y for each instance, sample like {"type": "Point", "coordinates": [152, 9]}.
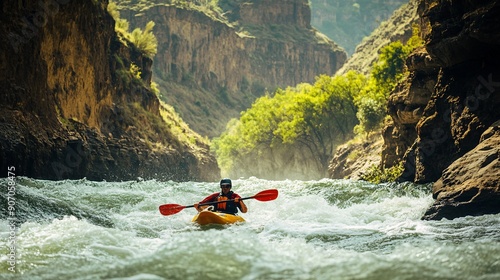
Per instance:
{"type": "Point", "coordinates": [397, 27]}
{"type": "Point", "coordinates": [70, 107]}
{"type": "Point", "coordinates": [221, 68]}
{"type": "Point", "coordinates": [348, 161]}
{"type": "Point", "coordinates": [349, 22]}
{"type": "Point", "coordinates": [287, 12]}
{"type": "Point", "coordinates": [445, 115]}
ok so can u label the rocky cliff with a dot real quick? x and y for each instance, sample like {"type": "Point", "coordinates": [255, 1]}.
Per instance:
{"type": "Point", "coordinates": [446, 113]}
{"type": "Point", "coordinates": [212, 69]}
{"type": "Point", "coordinates": [355, 158]}
{"type": "Point", "coordinates": [348, 23]}
{"type": "Point", "coordinates": [397, 27]}
{"type": "Point", "coordinates": [72, 108]}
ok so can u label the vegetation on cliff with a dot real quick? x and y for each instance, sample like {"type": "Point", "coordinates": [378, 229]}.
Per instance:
{"type": "Point", "coordinates": [216, 57]}
{"type": "Point", "coordinates": [386, 72]}
{"type": "Point", "coordinates": [310, 117]}
{"type": "Point", "coordinates": [308, 121]}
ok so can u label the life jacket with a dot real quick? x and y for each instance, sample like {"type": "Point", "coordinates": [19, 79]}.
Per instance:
{"type": "Point", "coordinates": [226, 207]}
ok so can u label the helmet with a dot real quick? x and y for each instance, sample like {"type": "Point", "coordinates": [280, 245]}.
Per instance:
{"type": "Point", "coordinates": [226, 181]}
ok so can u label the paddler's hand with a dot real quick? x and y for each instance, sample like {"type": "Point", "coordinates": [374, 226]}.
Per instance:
{"type": "Point", "coordinates": [196, 205]}
{"type": "Point", "coordinates": [237, 200]}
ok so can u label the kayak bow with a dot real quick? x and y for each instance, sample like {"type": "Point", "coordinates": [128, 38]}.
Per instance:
{"type": "Point", "coordinates": [208, 217]}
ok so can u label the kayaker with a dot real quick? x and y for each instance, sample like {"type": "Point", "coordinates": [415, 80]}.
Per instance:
{"type": "Point", "coordinates": [230, 207]}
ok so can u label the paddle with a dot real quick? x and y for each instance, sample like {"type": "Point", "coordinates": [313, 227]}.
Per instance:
{"type": "Point", "coordinates": [170, 209]}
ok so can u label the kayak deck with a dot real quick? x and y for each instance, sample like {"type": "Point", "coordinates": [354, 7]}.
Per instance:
{"type": "Point", "coordinates": [209, 217]}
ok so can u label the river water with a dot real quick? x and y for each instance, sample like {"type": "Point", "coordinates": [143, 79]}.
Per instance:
{"type": "Point", "coordinates": [327, 229]}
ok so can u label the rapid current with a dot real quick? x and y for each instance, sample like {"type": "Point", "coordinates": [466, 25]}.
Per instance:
{"type": "Point", "coordinates": [326, 229]}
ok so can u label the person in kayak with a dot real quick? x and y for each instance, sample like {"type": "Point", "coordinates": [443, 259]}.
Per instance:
{"type": "Point", "coordinates": [229, 207]}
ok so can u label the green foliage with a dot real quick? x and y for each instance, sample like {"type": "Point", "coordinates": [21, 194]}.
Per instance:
{"type": "Point", "coordinates": [135, 71]}
{"type": "Point", "coordinates": [390, 65]}
{"type": "Point", "coordinates": [145, 40]}
{"type": "Point", "coordinates": [155, 89]}
{"type": "Point", "coordinates": [377, 175]}
{"type": "Point", "coordinates": [229, 146]}
{"type": "Point", "coordinates": [121, 25]}
{"type": "Point", "coordinates": [130, 75]}
{"type": "Point", "coordinates": [370, 115]}
{"type": "Point", "coordinates": [310, 117]}
{"type": "Point", "coordinates": [386, 72]}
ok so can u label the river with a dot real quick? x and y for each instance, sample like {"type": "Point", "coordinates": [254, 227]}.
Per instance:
{"type": "Point", "coordinates": [326, 229]}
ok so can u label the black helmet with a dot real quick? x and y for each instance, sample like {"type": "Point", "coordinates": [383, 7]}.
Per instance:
{"type": "Point", "coordinates": [226, 181]}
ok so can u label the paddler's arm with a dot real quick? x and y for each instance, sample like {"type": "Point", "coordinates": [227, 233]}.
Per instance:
{"type": "Point", "coordinates": [241, 205]}
{"type": "Point", "coordinates": [207, 199]}
{"type": "Point", "coordinates": [197, 207]}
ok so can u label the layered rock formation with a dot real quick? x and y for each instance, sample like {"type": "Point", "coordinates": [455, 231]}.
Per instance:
{"type": "Point", "coordinates": [72, 108]}
{"type": "Point", "coordinates": [221, 66]}
{"type": "Point", "coordinates": [406, 106]}
{"type": "Point", "coordinates": [445, 115]}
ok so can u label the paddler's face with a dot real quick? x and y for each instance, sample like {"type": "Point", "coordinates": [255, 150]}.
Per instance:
{"type": "Point", "coordinates": [225, 188]}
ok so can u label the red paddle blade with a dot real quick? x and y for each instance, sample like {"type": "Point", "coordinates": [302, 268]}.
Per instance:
{"type": "Point", "coordinates": [170, 209]}
{"type": "Point", "coordinates": [266, 195]}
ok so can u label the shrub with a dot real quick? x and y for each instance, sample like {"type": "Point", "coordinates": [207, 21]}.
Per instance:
{"type": "Point", "coordinates": [145, 40]}
{"type": "Point", "coordinates": [370, 115]}
{"type": "Point", "coordinates": [377, 175]}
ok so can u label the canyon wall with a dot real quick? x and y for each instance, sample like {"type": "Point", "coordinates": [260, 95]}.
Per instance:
{"type": "Point", "coordinates": [351, 160]}
{"type": "Point", "coordinates": [349, 23]}
{"type": "Point", "coordinates": [70, 106]}
{"type": "Point", "coordinates": [397, 27]}
{"type": "Point", "coordinates": [445, 115]}
{"type": "Point", "coordinates": [221, 66]}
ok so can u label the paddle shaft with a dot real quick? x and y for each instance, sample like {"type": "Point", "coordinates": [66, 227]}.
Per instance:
{"type": "Point", "coordinates": [170, 209]}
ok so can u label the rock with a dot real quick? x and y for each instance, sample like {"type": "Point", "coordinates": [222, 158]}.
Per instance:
{"type": "Point", "coordinates": [350, 160]}
{"type": "Point", "coordinates": [471, 184]}
{"type": "Point", "coordinates": [397, 27]}
{"type": "Point", "coordinates": [65, 85]}
{"type": "Point", "coordinates": [442, 111]}
{"type": "Point", "coordinates": [406, 105]}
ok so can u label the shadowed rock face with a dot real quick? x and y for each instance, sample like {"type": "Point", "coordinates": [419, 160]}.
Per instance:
{"type": "Point", "coordinates": [471, 184]}
{"type": "Point", "coordinates": [66, 112]}
{"type": "Point", "coordinates": [444, 114]}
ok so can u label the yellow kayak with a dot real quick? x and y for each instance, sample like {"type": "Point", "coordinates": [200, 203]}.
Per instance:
{"type": "Point", "coordinates": [209, 217]}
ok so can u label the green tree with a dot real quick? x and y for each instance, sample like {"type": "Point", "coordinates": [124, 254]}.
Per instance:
{"type": "Point", "coordinates": [390, 65]}
{"type": "Point", "coordinates": [310, 118]}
